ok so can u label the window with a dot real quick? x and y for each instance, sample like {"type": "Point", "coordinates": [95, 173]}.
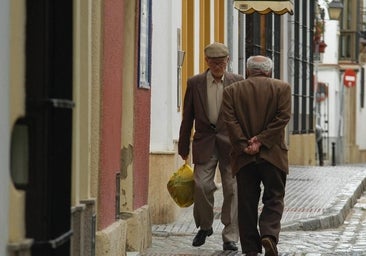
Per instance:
{"type": "Point", "coordinates": [301, 71]}
{"type": "Point", "coordinates": [263, 36]}
{"type": "Point", "coordinates": [145, 44]}
{"type": "Point", "coordinates": [269, 45]}
{"type": "Point", "coordinates": [349, 46]}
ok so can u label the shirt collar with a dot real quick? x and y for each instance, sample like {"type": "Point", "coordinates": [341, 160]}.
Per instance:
{"type": "Point", "coordinates": [211, 79]}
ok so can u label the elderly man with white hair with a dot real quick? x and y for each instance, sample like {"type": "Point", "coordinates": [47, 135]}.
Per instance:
{"type": "Point", "coordinates": [256, 112]}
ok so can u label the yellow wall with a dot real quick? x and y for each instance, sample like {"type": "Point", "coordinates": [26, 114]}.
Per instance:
{"type": "Point", "coordinates": [219, 21]}
{"type": "Point", "coordinates": [162, 207]}
{"type": "Point", "coordinates": [187, 41]}
{"type": "Point", "coordinates": [17, 109]}
{"type": "Point", "coordinates": [205, 30]}
{"type": "Point", "coordinates": [82, 84]}
{"type": "Point", "coordinates": [96, 34]}
{"type": "Point", "coordinates": [302, 149]}
{"type": "Point", "coordinates": [128, 80]}
{"type": "Point", "coordinates": [351, 151]}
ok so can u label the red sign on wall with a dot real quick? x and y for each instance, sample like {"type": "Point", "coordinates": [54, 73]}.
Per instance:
{"type": "Point", "coordinates": [349, 79]}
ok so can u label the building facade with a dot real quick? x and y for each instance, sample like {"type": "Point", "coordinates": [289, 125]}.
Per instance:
{"type": "Point", "coordinates": [191, 26]}
{"type": "Point", "coordinates": [75, 128]}
{"type": "Point", "coordinates": [341, 73]}
{"type": "Point", "coordinates": [91, 101]}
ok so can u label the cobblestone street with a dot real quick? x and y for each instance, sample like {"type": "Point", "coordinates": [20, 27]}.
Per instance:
{"type": "Point", "coordinates": [348, 239]}
{"type": "Point", "coordinates": [307, 208]}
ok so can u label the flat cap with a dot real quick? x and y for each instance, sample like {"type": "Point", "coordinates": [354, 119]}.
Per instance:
{"type": "Point", "coordinates": [216, 50]}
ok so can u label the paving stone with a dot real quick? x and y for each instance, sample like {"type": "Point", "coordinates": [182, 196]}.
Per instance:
{"type": "Point", "coordinates": [325, 214]}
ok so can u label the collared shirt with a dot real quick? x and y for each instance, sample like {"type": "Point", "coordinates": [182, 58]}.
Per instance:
{"type": "Point", "coordinates": [214, 96]}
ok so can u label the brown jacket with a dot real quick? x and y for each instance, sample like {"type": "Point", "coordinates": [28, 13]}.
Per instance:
{"type": "Point", "coordinates": [195, 111]}
{"type": "Point", "coordinates": [258, 106]}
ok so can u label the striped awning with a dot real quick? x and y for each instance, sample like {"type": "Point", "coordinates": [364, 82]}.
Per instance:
{"type": "Point", "coordinates": [264, 6]}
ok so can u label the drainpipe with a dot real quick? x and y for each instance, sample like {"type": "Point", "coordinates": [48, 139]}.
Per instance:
{"type": "Point", "coordinates": [230, 34]}
{"type": "Point", "coordinates": [242, 44]}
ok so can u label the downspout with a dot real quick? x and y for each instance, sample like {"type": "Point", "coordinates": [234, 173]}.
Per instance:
{"type": "Point", "coordinates": [230, 34]}
{"type": "Point", "coordinates": [241, 44]}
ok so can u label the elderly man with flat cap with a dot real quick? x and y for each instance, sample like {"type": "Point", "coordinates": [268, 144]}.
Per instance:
{"type": "Point", "coordinates": [211, 146]}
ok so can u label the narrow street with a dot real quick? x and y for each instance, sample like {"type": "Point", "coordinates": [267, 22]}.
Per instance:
{"type": "Point", "coordinates": [316, 198]}
{"type": "Point", "coordinates": [347, 240]}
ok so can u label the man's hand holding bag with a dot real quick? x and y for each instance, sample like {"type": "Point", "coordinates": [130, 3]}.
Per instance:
{"type": "Point", "coordinates": [181, 186]}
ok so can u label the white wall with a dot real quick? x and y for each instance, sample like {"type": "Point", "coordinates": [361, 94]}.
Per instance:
{"type": "Point", "coordinates": [330, 76]}
{"type": "Point", "coordinates": [165, 118]}
{"type": "Point", "coordinates": [331, 38]}
{"type": "Point", "coordinates": [234, 54]}
{"type": "Point", "coordinates": [4, 123]}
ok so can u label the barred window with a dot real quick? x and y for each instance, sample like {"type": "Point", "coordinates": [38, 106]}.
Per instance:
{"type": "Point", "coordinates": [301, 67]}
{"type": "Point", "coordinates": [263, 36]}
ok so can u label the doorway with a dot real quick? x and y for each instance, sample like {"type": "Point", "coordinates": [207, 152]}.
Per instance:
{"type": "Point", "coordinates": [49, 121]}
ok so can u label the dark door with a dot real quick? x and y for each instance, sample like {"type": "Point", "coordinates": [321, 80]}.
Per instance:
{"type": "Point", "coordinates": [49, 120]}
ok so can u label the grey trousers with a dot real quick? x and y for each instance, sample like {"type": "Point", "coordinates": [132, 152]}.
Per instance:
{"type": "Point", "coordinates": [203, 209]}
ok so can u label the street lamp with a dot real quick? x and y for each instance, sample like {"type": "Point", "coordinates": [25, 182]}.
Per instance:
{"type": "Point", "coordinates": [334, 9]}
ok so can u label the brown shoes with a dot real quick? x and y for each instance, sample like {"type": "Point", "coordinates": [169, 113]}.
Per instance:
{"type": "Point", "coordinates": [270, 246]}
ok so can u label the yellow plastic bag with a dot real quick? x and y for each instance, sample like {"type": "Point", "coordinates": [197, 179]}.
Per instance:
{"type": "Point", "coordinates": [181, 186]}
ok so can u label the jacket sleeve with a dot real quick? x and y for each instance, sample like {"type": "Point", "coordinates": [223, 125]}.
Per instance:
{"type": "Point", "coordinates": [187, 122]}
{"type": "Point", "coordinates": [273, 133]}
{"type": "Point", "coordinates": [237, 137]}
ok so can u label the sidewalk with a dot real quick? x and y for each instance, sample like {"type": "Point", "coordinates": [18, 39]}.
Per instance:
{"type": "Point", "coordinates": [316, 198]}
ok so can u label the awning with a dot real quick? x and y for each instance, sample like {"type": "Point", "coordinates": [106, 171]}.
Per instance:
{"type": "Point", "coordinates": [264, 6]}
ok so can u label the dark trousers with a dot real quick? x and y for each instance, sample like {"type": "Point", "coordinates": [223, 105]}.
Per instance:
{"type": "Point", "coordinates": [320, 151]}
{"type": "Point", "coordinates": [249, 180]}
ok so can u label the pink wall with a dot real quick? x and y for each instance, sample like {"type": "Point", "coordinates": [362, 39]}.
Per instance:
{"type": "Point", "coordinates": [141, 147]}
{"type": "Point", "coordinates": [111, 121]}
{"type": "Point", "coordinates": [111, 110]}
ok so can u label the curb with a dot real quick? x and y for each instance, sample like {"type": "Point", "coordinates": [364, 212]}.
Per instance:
{"type": "Point", "coordinates": [333, 217]}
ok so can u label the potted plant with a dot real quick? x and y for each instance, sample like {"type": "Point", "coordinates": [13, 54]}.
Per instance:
{"type": "Point", "coordinates": [318, 33]}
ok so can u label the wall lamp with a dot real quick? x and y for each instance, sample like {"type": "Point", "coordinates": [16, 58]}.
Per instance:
{"type": "Point", "coordinates": [334, 9]}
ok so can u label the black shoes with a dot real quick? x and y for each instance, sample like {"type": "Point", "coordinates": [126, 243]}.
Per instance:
{"type": "Point", "coordinates": [270, 246]}
{"type": "Point", "coordinates": [200, 238]}
{"type": "Point", "coordinates": [230, 246]}
{"type": "Point", "coordinates": [251, 254]}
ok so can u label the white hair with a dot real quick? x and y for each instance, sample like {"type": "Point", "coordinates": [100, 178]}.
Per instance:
{"type": "Point", "coordinates": [259, 62]}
